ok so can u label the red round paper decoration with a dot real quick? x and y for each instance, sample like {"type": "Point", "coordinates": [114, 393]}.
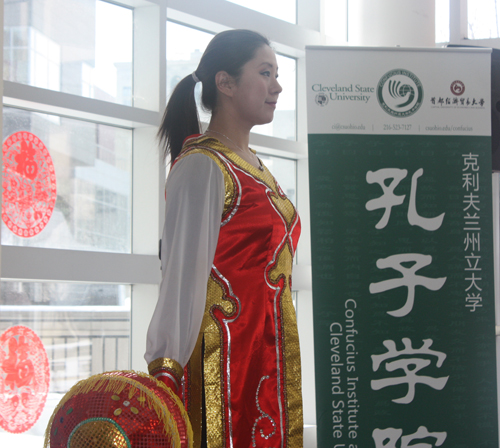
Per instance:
{"type": "Point", "coordinates": [29, 184]}
{"type": "Point", "coordinates": [24, 379]}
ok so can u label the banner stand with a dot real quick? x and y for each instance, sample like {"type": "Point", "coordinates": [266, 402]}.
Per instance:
{"type": "Point", "coordinates": [402, 247]}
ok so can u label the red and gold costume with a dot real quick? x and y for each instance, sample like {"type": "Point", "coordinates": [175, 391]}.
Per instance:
{"type": "Point", "coordinates": [247, 353]}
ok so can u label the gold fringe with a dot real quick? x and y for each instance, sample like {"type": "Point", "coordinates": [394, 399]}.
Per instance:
{"type": "Point", "coordinates": [116, 384]}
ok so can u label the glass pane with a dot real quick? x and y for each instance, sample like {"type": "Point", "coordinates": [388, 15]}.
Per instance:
{"type": "Point", "coordinates": [285, 172]}
{"type": "Point", "coordinates": [185, 47]}
{"type": "Point", "coordinates": [74, 330]}
{"type": "Point", "coordinates": [66, 183]}
{"type": "Point", "coordinates": [335, 20]}
{"type": "Point", "coordinates": [83, 47]}
{"type": "Point", "coordinates": [281, 9]}
{"type": "Point", "coordinates": [482, 17]}
{"type": "Point", "coordinates": [442, 20]}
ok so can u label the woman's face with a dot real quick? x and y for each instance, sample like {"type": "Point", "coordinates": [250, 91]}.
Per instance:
{"type": "Point", "coordinates": [256, 92]}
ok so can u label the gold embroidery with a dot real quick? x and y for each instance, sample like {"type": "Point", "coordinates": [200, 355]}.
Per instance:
{"type": "Point", "coordinates": [291, 346]}
{"type": "Point", "coordinates": [230, 183]}
{"type": "Point", "coordinates": [171, 365]}
{"type": "Point", "coordinates": [292, 372]}
{"type": "Point", "coordinates": [194, 393]}
{"type": "Point", "coordinates": [102, 433]}
{"type": "Point", "coordinates": [215, 397]}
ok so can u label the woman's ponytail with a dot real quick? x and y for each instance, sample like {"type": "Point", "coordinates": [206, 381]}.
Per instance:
{"type": "Point", "coordinates": [180, 119]}
{"type": "Point", "coordinates": [228, 51]}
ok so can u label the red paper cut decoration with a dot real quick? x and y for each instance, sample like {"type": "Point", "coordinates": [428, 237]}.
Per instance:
{"type": "Point", "coordinates": [24, 379]}
{"type": "Point", "coordinates": [29, 184]}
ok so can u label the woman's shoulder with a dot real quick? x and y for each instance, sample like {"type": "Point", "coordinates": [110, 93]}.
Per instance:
{"type": "Point", "coordinates": [200, 144]}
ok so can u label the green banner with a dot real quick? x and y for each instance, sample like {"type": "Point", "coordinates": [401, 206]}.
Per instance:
{"type": "Point", "coordinates": [402, 253]}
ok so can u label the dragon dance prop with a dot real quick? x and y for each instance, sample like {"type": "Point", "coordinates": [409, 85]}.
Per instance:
{"type": "Point", "coordinates": [119, 409]}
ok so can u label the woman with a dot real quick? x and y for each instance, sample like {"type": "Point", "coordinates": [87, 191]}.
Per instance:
{"type": "Point", "coordinates": [225, 318]}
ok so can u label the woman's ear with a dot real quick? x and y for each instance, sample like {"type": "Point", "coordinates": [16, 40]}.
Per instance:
{"type": "Point", "coordinates": [225, 83]}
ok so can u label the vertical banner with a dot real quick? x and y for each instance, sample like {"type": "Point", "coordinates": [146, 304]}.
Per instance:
{"type": "Point", "coordinates": [402, 247]}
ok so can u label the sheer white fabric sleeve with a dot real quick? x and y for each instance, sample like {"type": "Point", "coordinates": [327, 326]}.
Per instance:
{"type": "Point", "coordinates": [194, 205]}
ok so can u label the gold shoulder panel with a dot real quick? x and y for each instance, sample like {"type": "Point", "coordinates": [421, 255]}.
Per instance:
{"type": "Point", "coordinates": [218, 153]}
{"type": "Point", "coordinates": [170, 365]}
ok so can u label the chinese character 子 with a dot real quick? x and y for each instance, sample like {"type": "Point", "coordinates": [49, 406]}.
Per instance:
{"type": "Point", "coordinates": [410, 366]}
{"type": "Point", "coordinates": [387, 438]}
{"type": "Point", "coordinates": [409, 279]}
{"type": "Point", "coordinates": [389, 199]}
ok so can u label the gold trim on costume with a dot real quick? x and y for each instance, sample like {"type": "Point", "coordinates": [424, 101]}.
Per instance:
{"type": "Point", "coordinates": [193, 391]}
{"type": "Point", "coordinates": [169, 365]}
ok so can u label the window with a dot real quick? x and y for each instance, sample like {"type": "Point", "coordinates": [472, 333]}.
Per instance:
{"type": "Point", "coordinates": [91, 166]}
{"type": "Point", "coordinates": [442, 20]}
{"type": "Point", "coordinates": [483, 17]}
{"type": "Point", "coordinates": [79, 47]}
{"type": "Point", "coordinates": [185, 46]}
{"type": "Point", "coordinates": [283, 9]}
{"type": "Point", "coordinates": [84, 329]}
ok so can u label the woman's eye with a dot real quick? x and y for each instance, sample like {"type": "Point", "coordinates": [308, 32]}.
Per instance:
{"type": "Point", "coordinates": [266, 73]}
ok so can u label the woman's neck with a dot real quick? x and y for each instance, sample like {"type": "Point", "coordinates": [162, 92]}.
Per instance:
{"type": "Point", "coordinates": [235, 132]}
{"type": "Point", "coordinates": [234, 137]}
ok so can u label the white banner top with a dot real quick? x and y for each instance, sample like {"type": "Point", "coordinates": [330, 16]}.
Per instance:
{"type": "Point", "coordinates": [398, 91]}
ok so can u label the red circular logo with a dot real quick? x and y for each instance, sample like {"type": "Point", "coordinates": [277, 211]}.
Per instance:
{"type": "Point", "coordinates": [29, 184]}
{"type": "Point", "coordinates": [457, 88]}
{"type": "Point", "coordinates": [24, 379]}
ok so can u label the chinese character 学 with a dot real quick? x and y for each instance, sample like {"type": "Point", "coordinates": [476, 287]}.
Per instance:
{"type": "Point", "coordinates": [410, 366]}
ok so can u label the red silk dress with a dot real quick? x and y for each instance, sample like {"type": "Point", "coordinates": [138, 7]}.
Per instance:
{"type": "Point", "coordinates": [247, 354]}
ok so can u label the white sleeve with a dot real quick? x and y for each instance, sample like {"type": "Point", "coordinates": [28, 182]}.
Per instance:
{"type": "Point", "coordinates": [194, 204]}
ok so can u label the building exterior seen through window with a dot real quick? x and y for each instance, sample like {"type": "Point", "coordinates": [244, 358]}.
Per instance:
{"type": "Point", "coordinates": [483, 18]}
{"type": "Point", "coordinates": [91, 187]}
{"type": "Point", "coordinates": [68, 332]}
{"type": "Point", "coordinates": [83, 47]}
{"type": "Point", "coordinates": [281, 9]}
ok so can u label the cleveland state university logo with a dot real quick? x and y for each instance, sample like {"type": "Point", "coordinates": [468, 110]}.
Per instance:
{"type": "Point", "coordinates": [400, 93]}
{"type": "Point", "coordinates": [321, 99]}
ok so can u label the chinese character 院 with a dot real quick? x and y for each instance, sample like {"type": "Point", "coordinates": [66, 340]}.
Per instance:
{"type": "Point", "coordinates": [387, 438]}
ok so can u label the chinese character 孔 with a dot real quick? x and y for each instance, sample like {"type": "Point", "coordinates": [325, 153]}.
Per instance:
{"type": "Point", "coordinates": [389, 199]}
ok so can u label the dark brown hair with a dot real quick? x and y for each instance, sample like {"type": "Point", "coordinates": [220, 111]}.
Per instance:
{"type": "Point", "coordinates": [228, 51]}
